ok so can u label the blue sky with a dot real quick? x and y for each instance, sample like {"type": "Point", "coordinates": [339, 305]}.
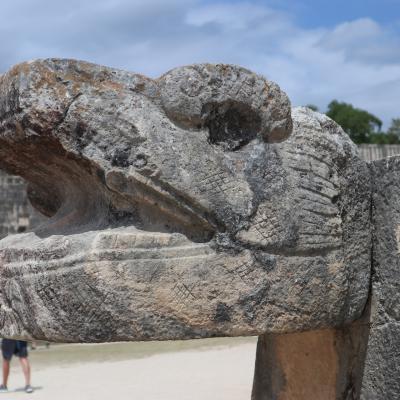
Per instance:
{"type": "Point", "coordinates": [315, 50]}
{"type": "Point", "coordinates": [316, 13]}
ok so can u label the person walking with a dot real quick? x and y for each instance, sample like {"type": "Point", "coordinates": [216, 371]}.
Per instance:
{"type": "Point", "coordinates": [19, 348]}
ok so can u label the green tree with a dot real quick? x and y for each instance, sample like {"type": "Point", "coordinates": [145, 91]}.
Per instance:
{"type": "Point", "coordinates": [392, 136]}
{"type": "Point", "coordinates": [359, 124]}
{"type": "Point", "coordinates": [381, 138]}
{"type": "Point", "coordinates": [394, 131]}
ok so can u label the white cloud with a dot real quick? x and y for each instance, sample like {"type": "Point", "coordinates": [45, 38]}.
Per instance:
{"type": "Point", "coordinates": [360, 29]}
{"type": "Point", "coordinates": [364, 40]}
{"type": "Point", "coordinates": [234, 17]}
{"type": "Point", "coordinates": [356, 61]}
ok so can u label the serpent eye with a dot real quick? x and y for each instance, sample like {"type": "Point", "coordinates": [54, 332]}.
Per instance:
{"type": "Point", "coordinates": [235, 104]}
{"type": "Point", "coordinates": [231, 124]}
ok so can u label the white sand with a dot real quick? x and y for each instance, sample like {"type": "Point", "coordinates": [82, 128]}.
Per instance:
{"type": "Point", "coordinates": [215, 372]}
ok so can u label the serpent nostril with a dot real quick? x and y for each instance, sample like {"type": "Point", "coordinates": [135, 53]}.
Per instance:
{"type": "Point", "coordinates": [231, 124]}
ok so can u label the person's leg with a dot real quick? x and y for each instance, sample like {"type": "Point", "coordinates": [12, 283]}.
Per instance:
{"type": "Point", "coordinates": [7, 350]}
{"type": "Point", "coordinates": [22, 352]}
{"type": "Point", "coordinates": [26, 368]}
{"type": "Point", "coordinates": [6, 371]}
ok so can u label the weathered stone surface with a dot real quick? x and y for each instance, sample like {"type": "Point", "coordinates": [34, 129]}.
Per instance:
{"type": "Point", "coordinates": [174, 211]}
{"type": "Point", "coordinates": [381, 379]}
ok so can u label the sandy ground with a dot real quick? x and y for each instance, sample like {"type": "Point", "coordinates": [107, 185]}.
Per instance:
{"type": "Point", "coordinates": [217, 369]}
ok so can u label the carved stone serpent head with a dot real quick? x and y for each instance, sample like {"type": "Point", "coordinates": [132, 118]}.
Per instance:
{"type": "Point", "coordinates": [197, 204]}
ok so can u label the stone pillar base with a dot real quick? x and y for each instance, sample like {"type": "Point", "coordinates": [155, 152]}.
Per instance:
{"type": "Point", "coordinates": [315, 365]}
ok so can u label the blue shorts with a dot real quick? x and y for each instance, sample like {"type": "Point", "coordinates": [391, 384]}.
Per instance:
{"type": "Point", "coordinates": [10, 347]}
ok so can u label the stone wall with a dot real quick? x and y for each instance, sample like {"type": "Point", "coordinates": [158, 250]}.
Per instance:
{"type": "Point", "coordinates": [372, 152]}
{"type": "Point", "coordinates": [16, 214]}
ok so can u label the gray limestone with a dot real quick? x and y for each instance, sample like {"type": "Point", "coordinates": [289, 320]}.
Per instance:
{"type": "Point", "coordinates": [201, 204]}
{"type": "Point", "coordinates": [382, 367]}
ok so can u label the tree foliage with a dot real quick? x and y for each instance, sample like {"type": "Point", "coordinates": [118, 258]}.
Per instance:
{"type": "Point", "coordinates": [394, 130]}
{"type": "Point", "coordinates": [362, 126]}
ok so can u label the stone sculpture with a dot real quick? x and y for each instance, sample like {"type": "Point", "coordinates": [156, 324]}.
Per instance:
{"type": "Point", "coordinates": [195, 205]}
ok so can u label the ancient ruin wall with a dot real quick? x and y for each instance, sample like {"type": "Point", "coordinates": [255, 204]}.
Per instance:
{"type": "Point", "coordinates": [16, 213]}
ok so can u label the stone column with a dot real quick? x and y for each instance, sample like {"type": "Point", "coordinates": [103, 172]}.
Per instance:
{"type": "Point", "coordinates": [315, 365]}
{"type": "Point", "coordinates": [381, 380]}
